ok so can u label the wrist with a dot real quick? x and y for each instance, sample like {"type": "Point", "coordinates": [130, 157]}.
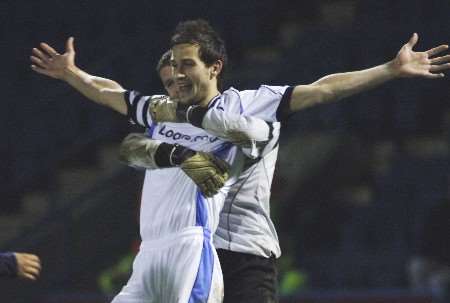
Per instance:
{"type": "Point", "coordinates": [69, 72]}
{"type": "Point", "coordinates": [170, 155]}
{"type": "Point", "coordinates": [192, 114]}
{"type": "Point", "coordinates": [393, 69]}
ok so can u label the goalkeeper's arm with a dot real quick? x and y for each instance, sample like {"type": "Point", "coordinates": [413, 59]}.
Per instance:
{"type": "Point", "coordinates": [244, 131]}
{"type": "Point", "coordinates": [206, 170]}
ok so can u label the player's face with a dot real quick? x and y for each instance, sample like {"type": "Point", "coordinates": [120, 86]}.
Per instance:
{"type": "Point", "coordinates": [168, 80]}
{"type": "Point", "coordinates": [196, 82]}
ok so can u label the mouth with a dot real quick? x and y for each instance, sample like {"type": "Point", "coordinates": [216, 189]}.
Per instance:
{"type": "Point", "coordinates": [184, 87]}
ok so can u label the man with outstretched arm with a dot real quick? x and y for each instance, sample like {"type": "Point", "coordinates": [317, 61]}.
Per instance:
{"type": "Point", "coordinates": [188, 174]}
{"type": "Point", "coordinates": [246, 238]}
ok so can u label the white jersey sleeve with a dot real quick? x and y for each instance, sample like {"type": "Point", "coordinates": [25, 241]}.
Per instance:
{"type": "Point", "coordinates": [247, 118]}
{"type": "Point", "coordinates": [265, 102]}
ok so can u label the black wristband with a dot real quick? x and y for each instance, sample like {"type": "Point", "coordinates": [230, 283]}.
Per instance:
{"type": "Point", "coordinates": [196, 114]}
{"type": "Point", "coordinates": [181, 112]}
{"type": "Point", "coordinates": [193, 114]}
{"type": "Point", "coordinates": [170, 155]}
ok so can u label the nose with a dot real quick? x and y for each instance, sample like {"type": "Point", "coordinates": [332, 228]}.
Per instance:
{"type": "Point", "coordinates": [179, 76]}
{"type": "Point", "coordinates": [177, 72]}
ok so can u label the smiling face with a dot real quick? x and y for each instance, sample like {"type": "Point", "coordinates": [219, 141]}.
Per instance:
{"type": "Point", "coordinates": [168, 80]}
{"type": "Point", "coordinates": [196, 82]}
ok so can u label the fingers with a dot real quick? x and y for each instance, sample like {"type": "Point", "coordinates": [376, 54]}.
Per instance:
{"type": "Point", "coordinates": [38, 54]}
{"type": "Point", "coordinates": [434, 76]}
{"type": "Point", "coordinates": [439, 60]}
{"type": "Point", "coordinates": [221, 165]}
{"type": "Point", "coordinates": [32, 258]}
{"type": "Point", "coordinates": [29, 276]}
{"type": "Point", "coordinates": [438, 68]}
{"type": "Point", "coordinates": [437, 50]}
{"type": "Point", "coordinates": [42, 71]}
{"type": "Point", "coordinates": [37, 61]}
{"type": "Point", "coordinates": [211, 186]}
{"type": "Point", "coordinates": [413, 40]}
{"type": "Point", "coordinates": [28, 266]}
{"type": "Point", "coordinates": [211, 189]}
{"type": "Point", "coordinates": [31, 272]}
{"type": "Point", "coordinates": [69, 45]}
{"type": "Point", "coordinates": [218, 181]}
{"type": "Point", "coordinates": [48, 49]}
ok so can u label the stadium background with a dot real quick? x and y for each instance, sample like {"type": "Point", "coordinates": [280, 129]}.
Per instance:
{"type": "Point", "coordinates": [354, 182]}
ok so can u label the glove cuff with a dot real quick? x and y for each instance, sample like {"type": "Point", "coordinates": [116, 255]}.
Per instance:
{"type": "Point", "coordinates": [192, 114]}
{"type": "Point", "coordinates": [170, 155]}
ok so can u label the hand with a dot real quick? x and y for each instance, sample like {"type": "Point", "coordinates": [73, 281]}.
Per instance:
{"type": "Point", "coordinates": [409, 63]}
{"type": "Point", "coordinates": [28, 266]}
{"type": "Point", "coordinates": [163, 109]}
{"type": "Point", "coordinates": [207, 171]}
{"type": "Point", "coordinates": [49, 62]}
{"type": "Point", "coordinates": [239, 138]}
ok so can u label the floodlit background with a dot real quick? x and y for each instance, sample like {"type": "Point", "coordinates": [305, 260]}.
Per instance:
{"type": "Point", "coordinates": [356, 181]}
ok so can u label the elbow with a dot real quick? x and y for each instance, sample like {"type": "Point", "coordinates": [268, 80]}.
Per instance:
{"type": "Point", "coordinates": [124, 153]}
{"type": "Point", "coordinates": [327, 94]}
{"type": "Point", "coordinates": [127, 148]}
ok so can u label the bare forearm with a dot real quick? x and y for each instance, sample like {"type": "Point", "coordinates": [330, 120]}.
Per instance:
{"type": "Point", "coordinates": [343, 85]}
{"type": "Point", "coordinates": [106, 83]}
{"type": "Point", "coordinates": [338, 86]}
{"type": "Point", "coordinates": [100, 90]}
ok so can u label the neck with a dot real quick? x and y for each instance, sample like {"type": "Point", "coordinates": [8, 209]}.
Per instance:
{"type": "Point", "coordinates": [209, 97]}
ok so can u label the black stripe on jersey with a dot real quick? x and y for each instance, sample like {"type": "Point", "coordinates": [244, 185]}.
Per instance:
{"type": "Point", "coordinates": [283, 111]}
{"type": "Point", "coordinates": [127, 102]}
{"type": "Point", "coordinates": [134, 105]}
{"type": "Point", "coordinates": [266, 147]}
{"type": "Point", "coordinates": [270, 130]}
{"type": "Point", "coordinates": [144, 114]}
{"type": "Point", "coordinates": [214, 101]}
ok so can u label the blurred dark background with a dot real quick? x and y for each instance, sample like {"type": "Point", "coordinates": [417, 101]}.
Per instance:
{"type": "Point", "coordinates": [356, 183]}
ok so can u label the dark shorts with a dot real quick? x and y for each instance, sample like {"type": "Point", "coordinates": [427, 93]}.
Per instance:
{"type": "Point", "coordinates": [248, 278]}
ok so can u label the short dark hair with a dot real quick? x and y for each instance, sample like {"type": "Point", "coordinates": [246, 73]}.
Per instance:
{"type": "Point", "coordinates": [164, 61]}
{"type": "Point", "coordinates": [211, 45]}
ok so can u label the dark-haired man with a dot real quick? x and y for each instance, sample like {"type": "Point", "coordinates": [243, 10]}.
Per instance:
{"type": "Point", "coordinates": [246, 238]}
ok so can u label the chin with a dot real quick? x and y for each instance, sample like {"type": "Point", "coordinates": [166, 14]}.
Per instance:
{"type": "Point", "coordinates": [188, 100]}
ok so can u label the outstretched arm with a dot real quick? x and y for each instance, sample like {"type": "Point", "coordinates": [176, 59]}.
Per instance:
{"type": "Point", "coordinates": [47, 61]}
{"type": "Point", "coordinates": [406, 64]}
